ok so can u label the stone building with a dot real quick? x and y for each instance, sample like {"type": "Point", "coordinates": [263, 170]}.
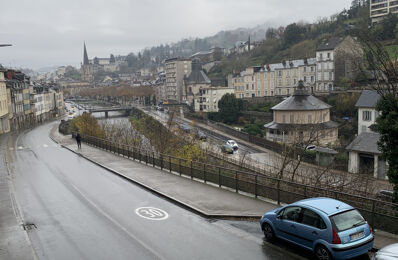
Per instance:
{"type": "Point", "coordinates": [336, 58]}
{"type": "Point", "coordinates": [4, 113]}
{"type": "Point", "coordinates": [302, 118]}
{"type": "Point", "coordinates": [86, 68]}
{"type": "Point", "coordinates": [196, 81]}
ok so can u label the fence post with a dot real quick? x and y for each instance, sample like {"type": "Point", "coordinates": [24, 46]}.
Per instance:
{"type": "Point", "coordinates": [373, 214]}
{"type": "Point", "coordinates": [146, 157]}
{"type": "Point", "coordinates": [128, 152]}
{"type": "Point", "coordinates": [279, 191]}
{"type": "Point", "coordinates": [179, 165]}
{"type": "Point", "coordinates": [335, 195]}
{"type": "Point", "coordinates": [219, 177]}
{"type": "Point", "coordinates": [191, 171]}
{"type": "Point", "coordinates": [139, 155]}
{"type": "Point", "coordinates": [204, 172]}
{"type": "Point", "coordinates": [305, 192]}
{"type": "Point", "coordinates": [170, 163]}
{"type": "Point", "coordinates": [236, 181]}
{"type": "Point", "coordinates": [161, 162]}
{"type": "Point", "coordinates": [153, 159]}
{"type": "Point", "coordinates": [255, 186]}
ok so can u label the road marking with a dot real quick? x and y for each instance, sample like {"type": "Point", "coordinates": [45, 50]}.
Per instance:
{"type": "Point", "coordinates": [151, 213]}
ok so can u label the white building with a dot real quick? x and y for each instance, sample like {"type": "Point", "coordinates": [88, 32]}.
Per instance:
{"type": "Point", "coordinates": [364, 153]}
{"type": "Point", "coordinates": [207, 100]}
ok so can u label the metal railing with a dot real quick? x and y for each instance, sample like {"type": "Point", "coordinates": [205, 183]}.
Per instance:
{"type": "Point", "coordinates": [380, 214]}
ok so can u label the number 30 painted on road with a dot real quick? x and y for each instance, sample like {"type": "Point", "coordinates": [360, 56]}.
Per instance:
{"type": "Point", "coordinates": [151, 213]}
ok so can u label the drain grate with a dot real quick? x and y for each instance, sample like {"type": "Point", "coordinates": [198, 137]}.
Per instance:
{"type": "Point", "coordinates": [29, 226]}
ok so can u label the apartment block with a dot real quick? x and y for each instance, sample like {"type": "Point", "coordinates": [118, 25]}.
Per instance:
{"type": "Point", "coordinates": [381, 8]}
{"type": "Point", "coordinates": [278, 79]}
{"type": "Point", "coordinates": [176, 70]}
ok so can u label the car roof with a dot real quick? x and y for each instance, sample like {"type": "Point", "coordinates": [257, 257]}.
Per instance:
{"type": "Point", "coordinates": [327, 205]}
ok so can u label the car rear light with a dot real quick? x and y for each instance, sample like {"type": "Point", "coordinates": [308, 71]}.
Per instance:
{"type": "Point", "coordinates": [370, 228]}
{"type": "Point", "coordinates": [336, 238]}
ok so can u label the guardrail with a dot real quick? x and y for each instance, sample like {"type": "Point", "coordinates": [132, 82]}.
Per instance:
{"type": "Point", "coordinates": [380, 214]}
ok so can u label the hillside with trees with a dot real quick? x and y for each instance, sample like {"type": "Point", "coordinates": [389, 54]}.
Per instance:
{"type": "Point", "coordinates": [299, 40]}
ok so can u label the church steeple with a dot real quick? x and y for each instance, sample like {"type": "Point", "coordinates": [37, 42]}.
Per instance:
{"type": "Point", "coordinates": [85, 56]}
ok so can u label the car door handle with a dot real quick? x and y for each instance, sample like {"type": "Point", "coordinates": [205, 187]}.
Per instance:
{"type": "Point", "coordinates": [314, 232]}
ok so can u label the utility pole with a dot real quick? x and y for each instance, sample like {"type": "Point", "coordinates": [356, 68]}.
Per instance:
{"type": "Point", "coordinates": [5, 45]}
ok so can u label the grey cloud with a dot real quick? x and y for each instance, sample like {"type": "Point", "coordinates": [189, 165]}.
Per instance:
{"type": "Point", "coordinates": [49, 32]}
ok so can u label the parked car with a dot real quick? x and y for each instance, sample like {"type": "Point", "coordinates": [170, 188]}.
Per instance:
{"type": "Point", "coordinates": [331, 229]}
{"type": "Point", "coordinates": [389, 252]}
{"type": "Point", "coordinates": [201, 135]}
{"type": "Point", "coordinates": [226, 148]}
{"type": "Point", "coordinates": [310, 147]}
{"type": "Point", "coordinates": [233, 144]}
{"type": "Point", "coordinates": [185, 128]}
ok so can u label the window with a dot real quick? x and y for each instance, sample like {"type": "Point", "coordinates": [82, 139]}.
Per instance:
{"type": "Point", "coordinates": [291, 119]}
{"type": "Point", "coordinates": [310, 218]}
{"type": "Point", "coordinates": [328, 55]}
{"type": "Point", "coordinates": [284, 119]}
{"type": "Point", "coordinates": [288, 91]}
{"type": "Point", "coordinates": [305, 69]}
{"type": "Point", "coordinates": [291, 213]}
{"type": "Point", "coordinates": [312, 78]}
{"type": "Point", "coordinates": [280, 73]}
{"type": "Point", "coordinates": [367, 115]}
{"type": "Point", "coordinates": [312, 68]}
{"type": "Point", "coordinates": [279, 91]}
{"type": "Point", "coordinates": [252, 86]}
{"type": "Point", "coordinates": [320, 56]}
{"type": "Point", "coordinates": [310, 119]}
{"type": "Point", "coordinates": [305, 79]}
{"type": "Point", "coordinates": [247, 86]}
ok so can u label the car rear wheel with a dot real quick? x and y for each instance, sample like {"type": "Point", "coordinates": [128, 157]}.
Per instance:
{"type": "Point", "coordinates": [322, 253]}
{"type": "Point", "coordinates": [268, 232]}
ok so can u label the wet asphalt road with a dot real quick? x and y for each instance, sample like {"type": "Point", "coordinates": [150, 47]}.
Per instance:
{"type": "Point", "coordinates": [82, 211]}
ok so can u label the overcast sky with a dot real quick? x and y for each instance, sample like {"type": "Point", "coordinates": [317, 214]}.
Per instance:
{"type": "Point", "coordinates": [51, 32]}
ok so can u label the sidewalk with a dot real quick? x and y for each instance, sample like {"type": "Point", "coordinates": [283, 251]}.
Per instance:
{"type": "Point", "coordinates": [14, 242]}
{"type": "Point", "coordinates": [205, 199]}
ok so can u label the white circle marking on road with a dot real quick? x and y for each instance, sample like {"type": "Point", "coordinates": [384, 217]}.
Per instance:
{"type": "Point", "coordinates": [151, 213]}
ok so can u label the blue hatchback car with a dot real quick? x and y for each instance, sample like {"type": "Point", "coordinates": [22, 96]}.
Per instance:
{"type": "Point", "coordinates": [330, 228]}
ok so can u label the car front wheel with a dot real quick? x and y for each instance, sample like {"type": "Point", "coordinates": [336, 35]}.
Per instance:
{"type": "Point", "coordinates": [322, 253]}
{"type": "Point", "coordinates": [268, 232]}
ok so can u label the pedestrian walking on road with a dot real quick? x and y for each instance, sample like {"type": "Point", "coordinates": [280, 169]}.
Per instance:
{"type": "Point", "coordinates": [79, 141]}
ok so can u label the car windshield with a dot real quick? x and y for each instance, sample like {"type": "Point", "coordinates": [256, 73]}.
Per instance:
{"type": "Point", "coordinates": [347, 220]}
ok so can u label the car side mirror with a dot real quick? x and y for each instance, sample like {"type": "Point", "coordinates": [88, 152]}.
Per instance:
{"type": "Point", "coordinates": [279, 216]}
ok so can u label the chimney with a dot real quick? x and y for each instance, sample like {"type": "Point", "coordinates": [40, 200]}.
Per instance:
{"type": "Point", "coordinates": [291, 64]}
{"type": "Point", "coordinates": [305, 61]}
{"type": "Point", "coordinates": [10, 74]}
{"type": "Point", "coordinates": [284, 63]}
{"type": "Point", "coordinates": [268, 67]}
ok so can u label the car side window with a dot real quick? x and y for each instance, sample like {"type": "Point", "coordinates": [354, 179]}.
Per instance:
{"type": "Point", "coordinates": [292, 214]}
{"type": "Point", "coordinates": [311, 218]}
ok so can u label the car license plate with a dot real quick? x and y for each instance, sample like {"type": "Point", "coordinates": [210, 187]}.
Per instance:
{"type": "Point", "coordinates": [356, 235]}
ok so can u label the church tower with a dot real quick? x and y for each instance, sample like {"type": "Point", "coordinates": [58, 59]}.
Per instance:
{"type": "Point", "coordinates": [86, 68]}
